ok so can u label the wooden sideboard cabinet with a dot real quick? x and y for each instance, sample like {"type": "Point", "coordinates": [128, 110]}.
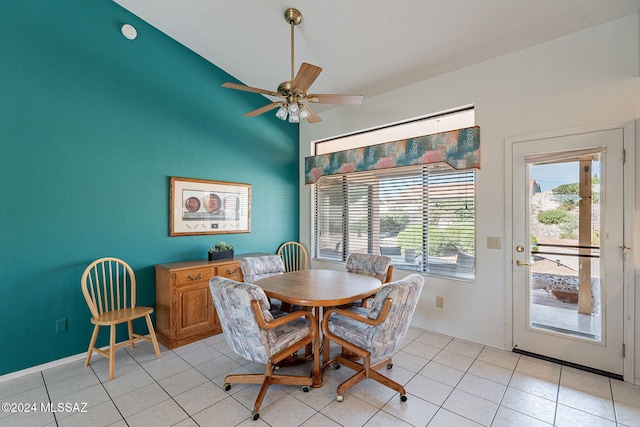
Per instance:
{"type": "Point", "coordinates": [184, 309]}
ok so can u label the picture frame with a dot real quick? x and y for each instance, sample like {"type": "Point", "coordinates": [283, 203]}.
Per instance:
{"type": "Point", "coordinates": [200, 206]}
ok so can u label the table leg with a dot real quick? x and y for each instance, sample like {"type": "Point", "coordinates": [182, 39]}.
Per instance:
{"type": "Point", "coordinates": [317, 372]}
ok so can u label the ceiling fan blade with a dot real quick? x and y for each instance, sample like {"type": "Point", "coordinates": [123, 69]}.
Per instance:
{"type": "Point", "coordinates": [264, 109]}
{"type": "Point", "coordinates": [335, 99]}
{"type": "Point", "coordinates": [307, 74]}
{"type": "Point", "coordinates": [313, 116]}
{"type": "Point", "coordinates": [250, 89]}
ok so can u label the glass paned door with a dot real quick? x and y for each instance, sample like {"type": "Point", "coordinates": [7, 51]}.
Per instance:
{"type": "Point", "coordinates": [567, 229]}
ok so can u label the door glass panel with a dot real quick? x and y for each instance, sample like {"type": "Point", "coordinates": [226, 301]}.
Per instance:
{"type": "Point", "coordinates": [565, 289]}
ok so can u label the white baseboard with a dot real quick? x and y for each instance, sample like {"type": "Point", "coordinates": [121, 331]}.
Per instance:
{"type": "Point", "coordinates": [48, 365]}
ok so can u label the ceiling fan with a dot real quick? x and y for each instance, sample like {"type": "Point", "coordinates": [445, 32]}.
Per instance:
{"type": "Point", "coordinates": [295, 92]}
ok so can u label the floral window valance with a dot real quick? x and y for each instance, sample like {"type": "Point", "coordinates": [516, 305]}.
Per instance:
{"type": "Point", "coordinates": [459, 149]}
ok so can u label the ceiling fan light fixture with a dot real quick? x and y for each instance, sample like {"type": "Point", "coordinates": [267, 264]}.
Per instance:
{"type": "Point", "coordinates": [294, 117]}
{"type": "Point", "coordinates": [293, 107]}
{"type": "Point", "coordinates": [282, 112]}
{"type": "Point", "coordinates": [304, 113]}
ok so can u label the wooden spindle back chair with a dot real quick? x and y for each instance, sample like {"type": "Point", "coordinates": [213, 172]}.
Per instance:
{"type": "Point", "coordinates": [109, 287]}
{"type": "Point", "coordinates": [294, 255]}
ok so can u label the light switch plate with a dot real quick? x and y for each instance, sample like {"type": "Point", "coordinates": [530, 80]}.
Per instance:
{"type": "Point", "coordinates": [494, 242]}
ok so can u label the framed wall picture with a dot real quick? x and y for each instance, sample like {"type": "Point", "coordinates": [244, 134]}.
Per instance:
{"type": "Point", "coordinates": [199, 206]}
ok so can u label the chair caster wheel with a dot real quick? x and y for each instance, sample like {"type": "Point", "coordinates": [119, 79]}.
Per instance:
{"type": "Point", "coordinates": [255, 415]}
{"type": "Point", "coordinates": [403, 398]}
{"type": "Point", "coordinates": [390, 365]}
{"type": "Point", "coordinates": [305, 388]}
{"type": "Point", "coordinates": [336, 366]}
{"type": "Point", "coordinates": [339, 398]}
{"type": "Point", "coordinates": [226, 386]}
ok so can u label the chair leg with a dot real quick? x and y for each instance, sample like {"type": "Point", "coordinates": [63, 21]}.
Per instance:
{"type": "Point", "coordinates": [377, 376]}
{"type": "Point", "coordinates": [362, 372]}
{"type": "Point", "coordinates": [92, 344]}
{"type": "Point", "coordinates": [130, 328]}
{"type": "Point", "coordinates": [268, 371]}
{"type": "Point", "coordinates": [244, 379]}
{"type": "Point", "coordinates": [351, 381]}
{"type": "Point", "coordinates": [112, 351]}
{"type": "Point", "coordinates": [266, 379]}
{"type": "Point", "coordinates": [152, 334]}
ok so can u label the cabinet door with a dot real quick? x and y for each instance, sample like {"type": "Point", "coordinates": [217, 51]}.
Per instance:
{"type": "Point", "coordinates": [195, 312]}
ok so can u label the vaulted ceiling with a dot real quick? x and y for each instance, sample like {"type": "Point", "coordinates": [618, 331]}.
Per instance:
{"type": "Point", "coordinates": [367, 47]}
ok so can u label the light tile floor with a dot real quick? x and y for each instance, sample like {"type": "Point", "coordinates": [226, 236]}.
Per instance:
{"type": "Point", "coordinates": [449, 383]}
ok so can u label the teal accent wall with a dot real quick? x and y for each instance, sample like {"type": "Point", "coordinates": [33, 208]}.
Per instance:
{"type": "Point", "coordinates": [92, 126]}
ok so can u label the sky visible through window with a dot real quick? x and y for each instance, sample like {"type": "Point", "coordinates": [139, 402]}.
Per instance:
{"type": "Point", "coordinates": [549, 176]}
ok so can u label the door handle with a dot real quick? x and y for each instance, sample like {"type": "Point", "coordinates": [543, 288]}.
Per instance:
{"type": "Point", "coordinates": [521, 263]}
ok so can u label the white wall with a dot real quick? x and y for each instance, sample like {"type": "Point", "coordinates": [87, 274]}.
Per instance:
{"type": "Point", "coordinates": [588, 78]}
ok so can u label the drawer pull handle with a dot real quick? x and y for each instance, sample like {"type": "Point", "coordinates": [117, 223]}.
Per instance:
{"type": "Point", "coordinates": [198, 277]}
{"type": "Point", "coordinates": [234, 272]}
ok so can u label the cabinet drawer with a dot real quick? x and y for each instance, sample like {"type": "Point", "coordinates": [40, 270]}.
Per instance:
{"type": "Point", "coordinates": [194, 275]}
{"type": "Point", "coordinates": [229, 270]}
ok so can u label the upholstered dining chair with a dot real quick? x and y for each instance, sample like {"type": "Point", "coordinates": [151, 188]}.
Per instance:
{"type": "Point", "coordinates": [253, 333]}
{"type": "Point", "coordinates": [258, 267]}
{"type": "Point", "coordinates": [109, 287]}
{"type": "Point", "coordinates": [373, 333]}
{"type": "Point", "coordinates": [294, 255]}
{"type": "Point", "coordinates": [377, 266]}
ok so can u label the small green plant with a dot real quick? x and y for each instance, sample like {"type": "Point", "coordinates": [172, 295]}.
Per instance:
{"type": "Point", "coordinates": [567, 189]}
{"type": "Point", "coordinates": [394, 223]}
{"type": "Point", "coordinates": [568, 205]}
{"type": "Point", "coordinates": [569, 227]}
{"type": "Point", "coordinates": [220, 247]}
{"type": "Point", "coordinates": [554, 216]}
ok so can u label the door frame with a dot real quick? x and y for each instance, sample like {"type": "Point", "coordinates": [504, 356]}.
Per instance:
{"type": "Point", "coordinates": [630, 232]}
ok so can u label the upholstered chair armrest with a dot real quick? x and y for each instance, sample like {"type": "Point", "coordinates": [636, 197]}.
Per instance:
{"type": "Point", "coordinates": [282, 320]}
{"type": "Point", "coordinates": [358, 317]}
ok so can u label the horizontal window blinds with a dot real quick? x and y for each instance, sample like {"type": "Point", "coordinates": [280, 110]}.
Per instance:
{"type": "Point", "coordinates": [421, 219]}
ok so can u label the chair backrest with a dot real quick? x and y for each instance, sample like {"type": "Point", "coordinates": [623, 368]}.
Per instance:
{"type": "Point", "coordinates": [370, 265]}
{"type": "Point", "coordinates": [258, 267]}
{"type": "Point", "coordinates": [108, 284]}
{"type": "Point", "coordinates": [294, 255]}
{"type": "Point", "coordinates": [404, 294]}
{"type": "Point", "coordinates": [241, 330]}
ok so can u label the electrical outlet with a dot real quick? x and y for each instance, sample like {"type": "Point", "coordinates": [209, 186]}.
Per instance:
{"type": "Point", "coordinates": [494, 242]}
{"type": "Point", "coordinates": [62, 325]}
{"type": "Point", "coordinates": [440, 302]}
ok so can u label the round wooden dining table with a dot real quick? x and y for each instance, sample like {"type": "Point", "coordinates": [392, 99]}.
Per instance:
{"type": "Point", "coordinates": [318, 289]}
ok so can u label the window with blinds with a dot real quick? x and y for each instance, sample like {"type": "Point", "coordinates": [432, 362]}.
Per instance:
{"type": "Point", "coordinates": [422, 218]}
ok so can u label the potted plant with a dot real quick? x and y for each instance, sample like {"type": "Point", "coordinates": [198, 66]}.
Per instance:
{"type": "Point", "coordinates": [220, 250]}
